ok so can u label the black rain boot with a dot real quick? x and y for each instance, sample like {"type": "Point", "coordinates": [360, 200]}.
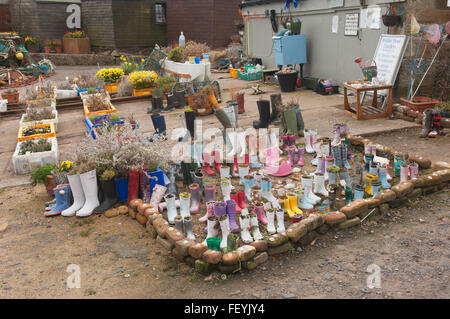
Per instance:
{"type": "Point", "coordinates": [109, 195]}
{"type": "Point", "coordinates": [275, 101]}
{"type": "Point", "coordinates": [186, 169]}
{"type": "Point", "coordinates": [426, 122]}
{"type": "Point", "coordinates": [190, 123]}
{"type": "Point", "coordinates": [156, 105]}
{"type": "Point", "coordinates": [264, 114]}
{"type": "Point", "coordinates": [180, 98]}
{"type": "Point", "coordinates": [436, 123]}
{"type": "Point", "coordinates": [171, 103]}
{"type": "Point", "coordinates": [300, 122]}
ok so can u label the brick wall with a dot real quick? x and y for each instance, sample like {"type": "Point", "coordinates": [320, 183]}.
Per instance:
{"type": "Point", "coordinates": [5, 18]}
{"type": "Point", "coordinates": [24, 18]}
{"type": "Point", "coordinates": [97, 20]}
{"type": "Point", "coordinates": [427, 12]}
{"type": "Point", "coordinates": [210, 21]}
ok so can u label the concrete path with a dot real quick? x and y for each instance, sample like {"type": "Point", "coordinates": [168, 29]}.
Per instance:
{"type": "Point", "coordinates": [319, 112]}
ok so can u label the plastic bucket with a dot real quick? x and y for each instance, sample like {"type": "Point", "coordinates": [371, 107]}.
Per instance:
{"type": "Point", "coordinates": [122, 188]}
{"type": "Point", "coordinates": [287, 81]}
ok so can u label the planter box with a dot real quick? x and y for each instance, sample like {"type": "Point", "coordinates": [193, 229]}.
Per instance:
{"type": "Point", "coordinates": [81, 91]}
{"type": "Point", "coordinates": [66, 94]}
{"type": "Point", "coordinates": [24, 164]}
{"type": "Point", "coordinates": [52, 103]}
{"type": "Point", "coordinates": [422, 103]}
{"type": "Point", "coordinates": [21, 138]}
{"type": "Point", "coordinates": [42, 90]}
{"type": "Point", "coordinates": [77, 45]}
{"type": "Point", "coordinates": [112, 87]}
{"type": "Point", "coordinates": [53, 121]}
{"type": "Point", "coordinates": [142, 92]}
{"type": "Point", "coordinates": [91, 127]}
{"type": "Point", "coordinates": [12, 98]}
{"type": "Point", "coordinates": [102, 112]}
{"type": "Point", "coordinates": [84, 95]}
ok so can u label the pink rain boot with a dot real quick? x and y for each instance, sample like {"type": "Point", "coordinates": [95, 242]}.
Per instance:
{"type": "Point", "coordinates": [261, 213]}
{"type": "Point", "coordinates": [413, 170]}
{"type": "Point", "coordinates": [285, 139]}
{"type": "Point", "coordinates": [157, 195]}
{"type": "Point", "coordinates": [329, 161]}
{"type": "Point", "coordinates": [275, 166]}
{"type": "Point", "coordinates": [291, 139]}
{"type": "Point", "coordinates": [404, 171]}
{"type": "Point", "coordinates": [209, 211]}
{"type": "Point", "coordinates": [195, 198]}
{"type": "Point", "coordinates": [291, 155]}
{"type": "Point", "coordinates": [301, 156]}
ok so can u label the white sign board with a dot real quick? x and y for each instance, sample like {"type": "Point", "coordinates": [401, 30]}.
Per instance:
{"type": "Point", "coordinates": [388, 57]}
{"type": "Point", "coordinates": [73, 21]}
{"type": "Point", "coordinates": [351, 24]}
{"type": "Point", "coordinates": [335, 24]}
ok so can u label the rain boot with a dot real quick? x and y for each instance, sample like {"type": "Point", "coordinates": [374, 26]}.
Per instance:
{"type": "Point", "coordinates": [308, 146]}
{"type": "Point", "coordinates": [426, 122]}
{"type": "Point", "coordinates": [264, 114]}
{"type": "Point", "coordinates": [413, 170]}
{"type": "Point", "coordinates": [198, 177]}
{"type": "Point", "coordinates": [225, 228]}
{"type": "Point", "coordinates": [260, 212]}
{"type": "Point", "coordinates": [292, 198]}
{"type": "Point", "coordinates": [348, 195]}
{"type": "Point", "coordinates": [285, 139]}
{"type": "Point", "coordinates": [329, 161]}
{"type": "Point", "coordinates": [133, 185]}
{"type": "Point", "coordinates": [344, 156]}
{"type": "Point", "coordinates": [224, 171]}
{"type": "Point", "coordinates": [345, 177]}
{"type": "Point", "coordinates": [223, 118]}
{"type": "Point", "coordinates": [210, 191]}
{"type": "Point", "coordinates": [436, 123]}
{"type": "Point", "coordinates": [206, 165]}
{"type": "Point", "coordinates": [291, 155]}
{"type": "Point", "coordinates": [240, 97]}
{"type": "Point", "coordinates": [303, 202]}
{"type": "Point", "coordinates": [171, 208]}
{"type": "Point", "coordinates": [266, 190]}
{"type": "Point", "coordinates": [319, 184]}
{"type": "Point", "coordinates": [190, 123]}
{"type": "Point", "coordinates": [217, 161]}
{"type": "Point", "coordinates": [300, 121]}
{"type": "Point", "coordinates": [212, 230]}
{"type": "Point", "coordinates": [180, 95]}
{"type": "Point", "coordinates": [196, 197]}
{"type": "Point", "coordinates": [373, 169]}
{"type": "Point", "coordinates": [109, 195]}
{"type": "Point", "coordinates": [275, 101]}
{"type": "Point", "coordinates": [301, 155]}
{"type": "Point", "coordinates": [172, 102]}
{"type": "Point", "coordinates": [359, 192]}
{"type": "Point", "coordinates": [226, 188]}
{"type": "Point", "coordinates": [337, 155]}
{"type": "Point", "coordinates": [382, 174]}
{"type": "Point", "coordinates": [243, 171]}
{"type": "Point", "coordinates": [231, 212]}
{"type": "Point", "coordinates": [249, 181]}
{"type": "Point", "coordinates": [178, 220]}
{"type": "Point", "coordinates": [209, 211]}
{"type": "Point", "coordinates": [62, 195]}
{"type": "Point", "coordinates": [404, 173]}
{"type": "Point", "coordinates": [244, 221]}
{"type": "Point", "coordinates": [90, 189]}
{"type": "Point", "coordinates": [307, 183]}
{"type": "Point", "coordinates": [271, 221]}
{"type": "Point", "coordinates": [157, 195]}
{"type": "Point", "coordinates": [187, 221]}
{"type": "Point", "coordinates": [376, 184]}
{"type": "Point", "coordinates": [281, 229]}
{"type": "Point", "coordinates": [291, 139]}
{"type": "Point", "coordinates": [241, 200]}
{"type": "Point", "coordinates": [254, 225]}
{"type": "Point", "coordinates": [290, 119]}
{"type": "Point", "coordinates": [234, 196]}
{"type": "Point", "coordinates": [185, 204]}
{"type": "Point", "coordinates": [157, 103]}
{"type": "Point", "coordinates": [320, 165]}
{"type": "Point", "coordinates": [78, 196]}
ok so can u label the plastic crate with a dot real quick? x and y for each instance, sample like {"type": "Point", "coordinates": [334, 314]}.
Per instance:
{"type": "Point", "coordinates": [102, 112]}
{"type": "Point", "coordinates": [251, 76]}
{"type": "Point", "coordinates": [21, 138]}
{"type": "Point", "coordinates": [91, 127]}
{"type": "Point", "coordinates": [24, 164]}
{"type": "Point", "coordinates": [52, 103]}
{"type": "Point", "coordinates": [54, 121]}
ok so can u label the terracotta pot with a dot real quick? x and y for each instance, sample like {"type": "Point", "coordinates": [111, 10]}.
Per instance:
{"type": "Point", "coordinates": [58, 49]}
{"type": "Point", "coordinates": [47, 49]}
{"type": "Point", "coordinates": [77, 45]}
{"type": "Point", "coordinates": [50, 185]}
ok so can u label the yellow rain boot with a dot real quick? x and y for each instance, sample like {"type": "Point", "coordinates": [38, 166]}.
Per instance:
{"type": "Point", "coordinates": [369, 179]}
{"type": "Point", "coordinates": [293, 205]}
{"type": "Point", "coordinates": [287, 206]}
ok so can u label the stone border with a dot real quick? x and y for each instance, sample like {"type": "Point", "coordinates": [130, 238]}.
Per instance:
{"type": "Point", "coordinates": [408, 114]}
{"type": "Point", "coordinates": [300, 234]}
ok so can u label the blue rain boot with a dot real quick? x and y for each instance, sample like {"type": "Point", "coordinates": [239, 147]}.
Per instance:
{"type": "Point", "coordinates": [254, 163]}
{"type": "Point", "coordinates": [369, 159]}
{"type": "Point", "coordinates": [337, 156]}
{"type": "Point", "coordinates": [62, 195]}
{"type": "Point", "coordinates": [248, 183]}
{"type": "Point", "coordinates": [359, 192]}
{"type": "Point", "coordinates": [382, 175]}
{"type": "Point", "coordinates": [344, 155]}
{"type": "Point", "coordinates": [373, 169]}
{"type": "Point", "coordinates": [161, 122]}
{"type": "Point", "coordinates": [376, 184]}
{"type": "Point", "coordinates": [154, 118]}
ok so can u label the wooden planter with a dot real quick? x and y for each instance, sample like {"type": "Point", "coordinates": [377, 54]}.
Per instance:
{"type": "Point", "coordinates": [12, 98]}
{"type": "Point", "coordinates": [77, 45]}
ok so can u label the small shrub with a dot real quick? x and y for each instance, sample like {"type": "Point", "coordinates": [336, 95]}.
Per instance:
{"type": "Point", "coordinates": [39, 175]}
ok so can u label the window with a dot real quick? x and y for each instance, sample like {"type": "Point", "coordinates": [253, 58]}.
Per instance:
{"type": "Point", "coordinates": [160, 13]}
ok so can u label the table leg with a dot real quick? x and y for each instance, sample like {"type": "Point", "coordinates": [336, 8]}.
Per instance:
{"type": "Point", "coordinates": [346, 106]}
{"type": "Point", "coordinates": [389, 105]}
{"type": "Point", "coordinates": [358, 105]}
{"type": "Point", "coordinates": [375, 98]}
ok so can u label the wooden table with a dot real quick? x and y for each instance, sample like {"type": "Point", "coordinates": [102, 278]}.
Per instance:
{"type": "Point", "coordinates": [367, 112]}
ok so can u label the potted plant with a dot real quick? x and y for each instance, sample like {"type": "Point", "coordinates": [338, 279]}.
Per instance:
{"type": "Point", "coordinates": [76, 42]}
{"type": "Point", "coordinates": [419, 103]}
{"type": "Point", "coordinates": [112, 78]}
{"type": "Point", "coordinates": [12, 95]}
{"type": "Point", "coordinates": [176, 55]}
{"type": "Point", "coordinates": [166, 83]}
{"type": "Point", "coordinates": [143, 82]}
{"type": "Point", "coordinates": [98, 103]}
{"type": "Point", "coordinates": [48, 46]}
{"type": "Point", "coordinates": [33, 132]}
{"type": "Point", "coordinates": [57, 46]}
{"type": "Point", "coordinates": [287, 79]}
{"type": "Point", "coordinates": [40, 116]}
{"type": "Point", "coordinates": [31, 44]}
{"type": "Point", "coordinates": [43, 175]}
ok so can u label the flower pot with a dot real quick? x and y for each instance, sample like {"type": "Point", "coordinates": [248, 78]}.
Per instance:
{"type": "Point", "coordinates": [58, 49]}
{"type": "Point", "coordinates": [156, 177]}
{"type": "Point", "coordinates": [142, 92]}
{"type": "Point", "coordinates": [12, 98]}
{"type": "Point", "coordinates": [287, 81]}
{"type": "Point", "coordinates": [112, 87]}
{"type": "Point", "coordinates": [77, 45]}
{"type": "Point", "coordinates": [50, 184]}
{"type": "Point", "coordinates": [48, 50]}
{"type": "Point", "coordinates": [121, 188]}
{"type": "Point", "coordinates": [420, 103]}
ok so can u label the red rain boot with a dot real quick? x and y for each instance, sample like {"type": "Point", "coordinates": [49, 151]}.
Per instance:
{"type": "Point", "coordinates": [217, 161]}
{"type": "Point", "coordinates": [234, 196]}
{"type": "Point", "coordinates": [206, 167]}
{"type": "Point", "coordinates": [240, 100]}
{"type": "Point", "coordinates": [241, 200]}
{"type": "Point", "coordinates": [133, 185]}
{"type": "Point", "coordinates": [247, 159]}
{"type": "Point", "coordinates": [235, 164]}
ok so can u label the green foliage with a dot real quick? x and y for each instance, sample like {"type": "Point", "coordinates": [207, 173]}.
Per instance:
{"type": "Point", "coordinates": [41, 145]}
{"type": "Point", "coordinates": [108, 174]}
{"type": "Point", "coordinates": [39, 175]}
{"type": "Point", "coordinates": [166, 83]}
{"type": "Point", "coordinates": [176, 54]}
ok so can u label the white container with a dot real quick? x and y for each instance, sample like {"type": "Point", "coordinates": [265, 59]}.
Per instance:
{"type": "Point", "coordinates": [52, 104]}
{"type": "Point", "coordinates": [3, 105]}
{"type": "Point", "coordinates": [24, 164]}
{"type": "Point", "coordinates": [54, 121]}
{"type": "Point", "coordinates": [66, 94]}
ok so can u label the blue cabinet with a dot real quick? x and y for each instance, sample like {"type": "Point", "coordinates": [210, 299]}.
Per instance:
{"type": "Point", "coordinates": [290, 49]}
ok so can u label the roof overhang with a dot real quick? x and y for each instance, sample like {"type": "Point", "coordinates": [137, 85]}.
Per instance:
{"type": "Point", "coordinates": [250, 3]}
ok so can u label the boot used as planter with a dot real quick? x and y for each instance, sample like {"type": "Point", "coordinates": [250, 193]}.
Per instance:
{"type": "Point", "coordinates": [90, 189]}
{"type": "Point", "coordinates": [275, 101]}
{"type": "Point", "coordinates": [62, 195]}
{"type": "Point", "coordinates": [133, 185]}
{"type": "Point", "coordinates": [264, 114]}
{"type": "Point", "coordinates": [121, 188]}
{"type": "Point", "coordinates": [109, 195]}
{"type": "Point", "coordinates": [78, 196]}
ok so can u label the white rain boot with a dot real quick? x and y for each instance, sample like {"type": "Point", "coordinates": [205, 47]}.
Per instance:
{"type": "Point", "coordinates": [226, 189]}
{"type": "Point", "coordinates": [171, 208]}
{"type": "Point", "coordinates": [317, 148]}
{"type": "Point", "coordinates": [280, 221]}
{"type": "Point", "coordinates": [241, 145]}
{"type": "Point", "coordinates": [255, 227]}
{"type": "Point", "coordinates": [302, 201]}
{"type": "Point", "coordinates": [212, 230]}
{"type": "Point", "coordinates": [308, 146]}
{"type": "Point", "coordinates": [232, 146]}
{"type": "Point", "coordinates": [225, 227]}
{"type": "Point", "coordinates": [319, 184]}
{"type": "Point", "coordinates": [78, 195]}
{"type": "Point", "coordinates": [90, 189]}
{"type": "Point", "coordinates": [244, 222]}
{"type": "Point", "coordinates": [270, 214]}
{"type": "Point", "coordinates": [266, 190]}
{"type": "Point", "coordinates": [224, 171]}
{"type": "Point", "coordinates": [243, 171]}
{"type": "Point", "coordinates": [307, 183]}
{"type": "Point", "coordinates": [185, 204]}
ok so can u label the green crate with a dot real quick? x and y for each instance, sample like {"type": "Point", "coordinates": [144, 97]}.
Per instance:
{"type": "Point", "coordinates": [250, 76]}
